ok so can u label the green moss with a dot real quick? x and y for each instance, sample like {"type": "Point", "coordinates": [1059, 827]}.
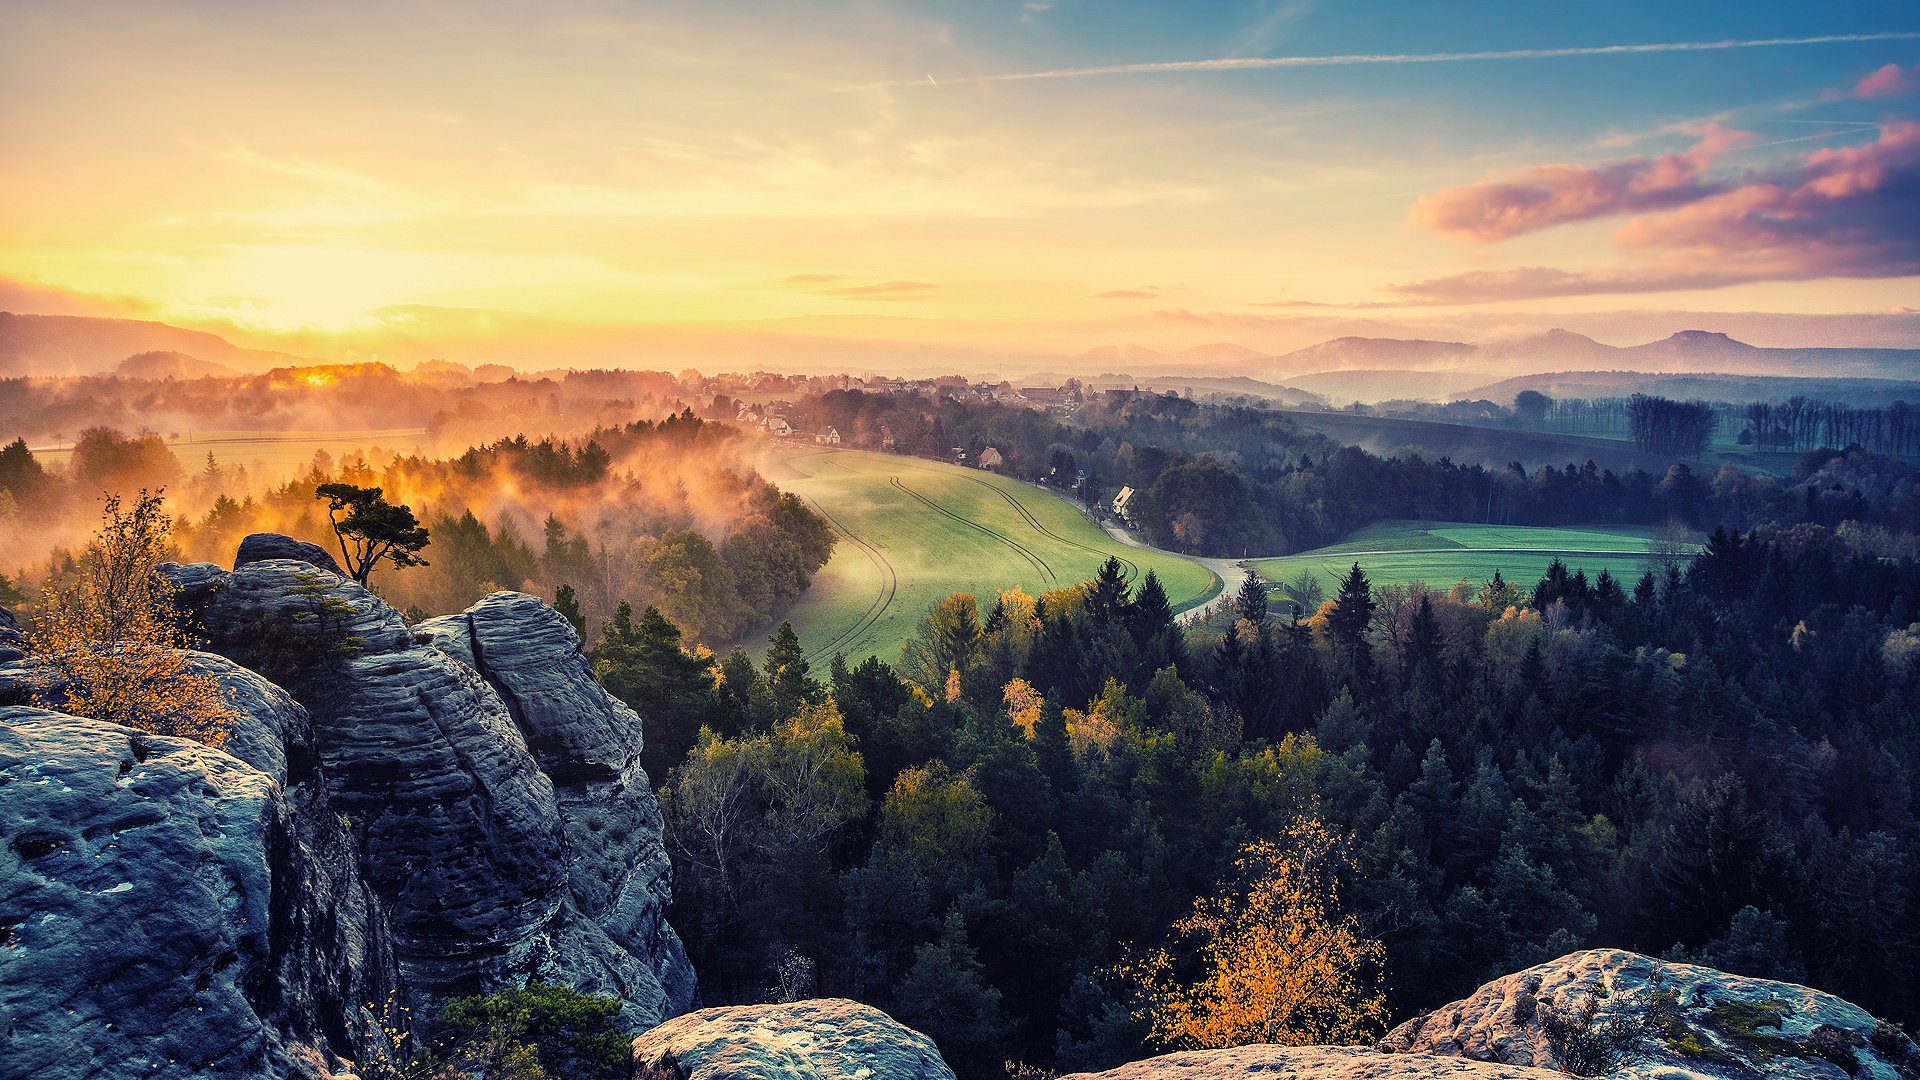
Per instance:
{"type": "Point", "coordinates": [1741, 1021]}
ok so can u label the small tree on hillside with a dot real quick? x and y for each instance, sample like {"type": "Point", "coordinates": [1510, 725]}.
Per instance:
{"type": "Point", "coordinates": [370, 529]}
{"type": "Point", "coordinates": [1278, 962]}
{"type": "Point", "coordinates": [105, 643]}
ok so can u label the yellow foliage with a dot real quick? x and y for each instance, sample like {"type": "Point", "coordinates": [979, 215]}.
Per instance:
{"type": "Point", "coordinates": [1278, 963]}
{"type": "Point", "coordinates": [1023, 704]}
{"type": "Point", "coordinates": [105, 645]}
{"type": "Point", "coordinates": [953, 685]}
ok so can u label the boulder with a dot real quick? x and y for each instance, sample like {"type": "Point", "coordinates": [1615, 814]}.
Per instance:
{"type": "Point", "coordinates": [588, 744]}
{"type": "Point", "coordinates": [823, 1039]}
{"type": "Point", "coordinates": [258, 547]}
{"type": "Point", "coordinates": [1316, 1062]}
{"type": "Point", "coordinates": [1652, 1018]}
{"type": "Point", "coordinates": [165, 914]}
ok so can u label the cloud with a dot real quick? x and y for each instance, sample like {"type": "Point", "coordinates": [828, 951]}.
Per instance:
{"type": "Point", "coordinates": [1350, 59]}
{"type": "Point", "coordinates": [24, 297]}
{"type": "Point", "coordinates": [1846, 212]}
{"type": "Point", "coordinates": [1127, 294]}
{"type": "Point", "coordinates": [1259, 35]}
{"type": "Point", "coordinates": [1889, 81]}
{"type": "Point", "coordinates": [886, 290]}
{"type": "Point", "coordinates": [313, 172]}
{"type": "Point", "coordinates": [1507, 206]}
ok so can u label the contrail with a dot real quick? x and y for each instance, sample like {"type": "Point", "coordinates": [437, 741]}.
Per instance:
{"type": "Point", "coordinates": [1253, 63]}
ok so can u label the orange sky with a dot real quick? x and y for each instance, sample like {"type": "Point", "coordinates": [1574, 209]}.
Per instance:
{"type": "Point", "coordinates": [506, 179]}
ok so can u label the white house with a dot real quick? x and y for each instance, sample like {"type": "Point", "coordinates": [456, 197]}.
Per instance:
{"type": "Point", "coordinates": [828, 436]}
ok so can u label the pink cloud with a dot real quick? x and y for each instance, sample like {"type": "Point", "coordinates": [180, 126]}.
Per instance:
{"type": "Point", "coordinates": [1507, 206]}
{"type": "Point", "coordinates": [1889, 81]}
{"type": "Point", "coordinates": [1845, 212]}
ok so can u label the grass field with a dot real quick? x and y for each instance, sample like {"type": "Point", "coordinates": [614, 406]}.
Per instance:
{"type": "Point", "coordinates": [912, 532]}
{"type": "Point", "coordinates": [1440, 554]}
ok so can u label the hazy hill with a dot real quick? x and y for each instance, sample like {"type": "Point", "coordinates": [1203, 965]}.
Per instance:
{"type": "Point", "coordinates": [169, 365]}
{"type": "Point", "coordinates": [1389, 384]}
{"type": "Point", "coordinates": [1709, 386]}
{"type": "Point", "coordinates": [1373, 353]}
{"type": "Point", "coordinates": [79, 345]}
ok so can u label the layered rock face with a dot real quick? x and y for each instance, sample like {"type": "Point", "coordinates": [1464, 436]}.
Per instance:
{"type": "Point", "coordinates": [1651, 1018]}
{"type": "Point", "coordinates": [170, 910]}
{"type": "Point", "coordinates": [1320, 1062]}
{"type": "Point", "coordinates": [821, 1039]}
{"type": "Point", "coordinates": [489, 877]}
{"type": "Point", "coordinates": [587, 743]}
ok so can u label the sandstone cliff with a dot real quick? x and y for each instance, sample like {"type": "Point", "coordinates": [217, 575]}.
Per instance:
{"type": "Point", "coordinates": [398, 816]}
{"type": "Point", "coordinates": [170, 911]}
{"type": "Point", "coordinates": [493, 789]}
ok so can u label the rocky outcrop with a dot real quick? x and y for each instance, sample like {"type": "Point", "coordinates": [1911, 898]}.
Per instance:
{"type": "Point", "coordinates": [488, 874]}
{"type": "Point", "coordinates": [13, 643]}
{"type": "Point", "coordinates": [587, 743]}
{"type": "Point", "coordinates": [167, 913]}
{"type": "Point", "coordinates": [823, 1039]}
{"type": "Point", "coordinates": [1632, 1015]}
{"type": "Point", "coordinates": [1316, 1062]}
{"type": "Point", "coordinates": [259, 547]}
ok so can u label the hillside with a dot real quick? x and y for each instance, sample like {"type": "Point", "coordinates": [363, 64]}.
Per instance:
{"type": "Point", "coordinates": [1711, 387]}
{"type": "Point", "coordinates": [80, 345]}
{"type": "Point", "coordinates": [1492, 447]}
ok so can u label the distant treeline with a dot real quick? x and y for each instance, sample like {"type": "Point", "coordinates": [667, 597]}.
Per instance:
{"type": "Point", "coordinates": [449, 401]}
{"type": "Point", "coordinates": [1804, 423]}
{"type": "Point", "coordinates": [668, 514]}
{"type": "Point", "coordinates": [1664, 426]}
{"type": "Point", "coordinates": [1232, 480]}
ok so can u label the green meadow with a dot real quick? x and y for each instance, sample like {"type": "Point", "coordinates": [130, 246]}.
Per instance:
{"type": "Point", "coordinates": [912, 532]}
{"type": "Point", "coordinates": [1442, 553]}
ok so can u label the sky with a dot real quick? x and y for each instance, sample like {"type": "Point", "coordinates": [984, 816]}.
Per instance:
{"type": "Point", "coordinates": [906, 182]}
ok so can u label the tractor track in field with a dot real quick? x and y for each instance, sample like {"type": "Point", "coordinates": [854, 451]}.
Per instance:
{"type": "Point", "coordinates": [1036, 561]}
{"type": "Point", "coordinates": [880, 603]}
{"type": "Point", "coordinates": [1133, 568]}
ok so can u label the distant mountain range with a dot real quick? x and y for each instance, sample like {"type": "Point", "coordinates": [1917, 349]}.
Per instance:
{"type": "Point", "coordinates": [79, 345]}
{"type": "Point", "coordinates": [1342, 369]}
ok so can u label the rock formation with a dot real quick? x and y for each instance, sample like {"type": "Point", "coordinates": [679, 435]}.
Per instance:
{"type": "Point", "coordinates": [821, 1039]}
{"type": "Point", "coordinates": [168, 913]}
{"type": "Point", "coordinates": [501, 818]}
{"type": "Point", "coordinates": [1317, 1062]}
{"type": "Point", "coordinates": [257, 547]}
{"type": "Point", "coordinates": [588, 744]}
{"type": "Point", "coordinates": [1629, 1014]}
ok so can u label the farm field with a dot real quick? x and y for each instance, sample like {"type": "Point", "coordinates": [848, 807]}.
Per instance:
{"type": "Point", "coordinates": [1441, 553]}
{"type": "Point", "coordinates": [912, 532]}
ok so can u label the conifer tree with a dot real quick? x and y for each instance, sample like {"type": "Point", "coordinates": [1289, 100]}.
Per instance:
{"type": "Point", "coordinates": [1252, 600]}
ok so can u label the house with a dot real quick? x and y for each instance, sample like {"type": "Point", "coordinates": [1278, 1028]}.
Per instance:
{"type": "Point", "coordinates": [778, 427]}
{"type": "Point", "coordinates": [828, 436]}
{"type": "Point", "coordinates": [990, 458]}
{"type": "Point", "coordinates": [1121, 500]}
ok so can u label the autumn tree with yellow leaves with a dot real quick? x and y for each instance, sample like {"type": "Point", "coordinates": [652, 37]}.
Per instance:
{"type": "Point", "coordinates": [1276, 960]}
{"type": "Point", "coordinates": [105, 643]}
